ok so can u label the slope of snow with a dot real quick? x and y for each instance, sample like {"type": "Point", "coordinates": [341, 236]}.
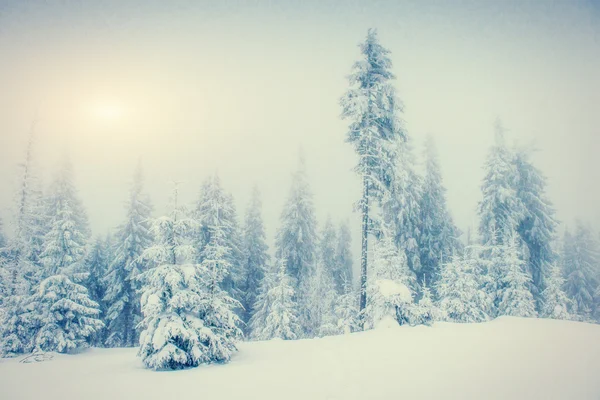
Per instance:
{"type": "Point", "coordinates": [508, 358]}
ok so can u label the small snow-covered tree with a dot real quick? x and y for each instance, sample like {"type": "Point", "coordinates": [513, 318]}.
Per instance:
{"type": "Point", "coordinates": [555, 302]}
{"type": "Point", "coordinates": [580, 264]}
{"type": "Point", "coordinates": [346, 311]}
{"type": "Point", "coordinates": [388, 290]}
{"type": "Point", "coordinates": [515, 296]}
{"type": "Point", "coordinates": [281, 319]}
{"type": "Point", "coordinates": [261, 307]}
{"type": "Point", "coordinates": [372, 108]}
{"type": "Point", "coordinates": [461, 297]}
{"type": "Point", "coordinates": [296, 242]}
{"type": "Point", "coordinates": [439, 236]}
{"type": "Point", "coordinates": [121, 298]}
{"type": "Point", "coordinates": [65, 314]}
{"type": "Point", "coordinates": [425, 311]}
{"type": "Point", "coordinates": [256, 256]}
{"type": "Point", "coordinates": [343, 275]}
{"type": "Point", "coordinates": [321, 302]}
{"type": "Point", "coordinates": [96, 265]}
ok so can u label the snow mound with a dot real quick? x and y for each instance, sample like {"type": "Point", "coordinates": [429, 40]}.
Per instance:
{"type": "Point", "coordinates": [508, 358]}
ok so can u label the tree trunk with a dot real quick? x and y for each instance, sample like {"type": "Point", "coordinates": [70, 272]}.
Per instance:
{"type": "Point", "coordinates": [363, 258]}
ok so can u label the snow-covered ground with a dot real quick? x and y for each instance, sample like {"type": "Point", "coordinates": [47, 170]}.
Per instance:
{"type": "Point", "coordinates": [509, 358]}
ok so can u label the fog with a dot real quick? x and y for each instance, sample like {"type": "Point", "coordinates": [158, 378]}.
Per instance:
{"type": "Point", "coordinates": [241, 88]}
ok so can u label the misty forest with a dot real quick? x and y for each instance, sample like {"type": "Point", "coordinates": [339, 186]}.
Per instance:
{"type": "Point", "coordinates": [200, 283]}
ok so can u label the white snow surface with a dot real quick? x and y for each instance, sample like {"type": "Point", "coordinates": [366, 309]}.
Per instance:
{"type": "Point", "coordinates": [508, 358]}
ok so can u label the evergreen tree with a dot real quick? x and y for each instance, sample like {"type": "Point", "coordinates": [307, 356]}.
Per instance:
{"type": "Point", "coordinates": [280, 319]}
{"type": "Point", "coordinates": [261, 307]}
{"type": "Point", "coordinates": [215, 206]}
{"type": "Point", "coordinates": [346, 311]}
{"type": "Point", "coordinates": [372, 108]}
{"type": "Point", "coordinates": [296, 242]}
{"type": "Point", "coordinates": [121, 297]}
{"type": "Point", "coordinates": [439, 235]}
{"type": "Point", "coordinates": [343, 275]}
{"type": "Point", "coordinates": [580, 265]}
{"type": "Point", "coordinates": [321, 302]}
{"type": "Point", "coordinates": [97, 263]}
{"type": "Point", "coordinates": [461, 297]}
{"type": "Point", "coordinates": [389, 286]}
{"type": "Point", "coordinates": [555, 301]}
{"type": "Point", "coordinates": [538, 227]}
{"type": "Point", "coordinates": [516, 298]}
{"type": "Point", "coordinates": [187, 316]}
{"type": "Point", "coordinates": [65, 315]}
{"type": "Point", "coordinates": [256, 256]}
{"type": "Point", "coordinates": [500, 210]}
{"type": "Point", "coordinates": [425, 312]}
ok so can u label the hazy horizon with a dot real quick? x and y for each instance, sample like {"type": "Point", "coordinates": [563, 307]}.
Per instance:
{"type": "Point", "coordinates": [192, 89]}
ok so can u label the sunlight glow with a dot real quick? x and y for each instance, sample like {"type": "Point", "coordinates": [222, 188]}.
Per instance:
{"type": "Point", "coordinates": [107, 111]}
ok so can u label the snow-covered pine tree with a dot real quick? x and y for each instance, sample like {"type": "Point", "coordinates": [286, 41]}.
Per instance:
{"type": "Point", "coordinates": [439, 236]}
{"type": "Point", "coordinates": [555, 303]}
{"type": "Point", "coordinates": [215, 206]}
{"type": "Point", "coordinates": [64, 315]}
{"type": "Point", "coordinates": [580, 264]}
{"type": "Point", "coordinates": [121, 297]}
{"type": "Point", "coordinates": [346, 310]}
{"type": "Point", "coordinates": [321, 302]}
{"type": "Point", "coordinates": [425, 311]}
{"type": "Point", "coordinates": [280, 309]}
{"type": "Point", "coordinates": [256, 256]}
{"type": "Point", "coordinates": [261, 309]}
{"type": "Point", "coordinates": [343, 275]}
{"type": "Point", "coordinates": [538, 227]}
{"type": "Point", "coordinates": [372, 108]}
{"type": "Point", "coordinates": [461, 297]}
{"type": "Point", "coordinates": [96, 265]}
{"type": "Point", "coordinates": [500, 210]}
{"type": "Point", "coordinates": [515, 296]}
{"type": "Point", "coordinates": [296, 242]}
{"type": "Point", "coordinates": [389, 293]}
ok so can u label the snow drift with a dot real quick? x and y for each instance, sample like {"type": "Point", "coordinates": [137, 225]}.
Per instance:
{"type": "Point", "coordinates": [508, 358]}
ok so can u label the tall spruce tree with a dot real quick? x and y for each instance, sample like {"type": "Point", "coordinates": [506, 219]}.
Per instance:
{"type": "Point", "coordinates": [555, 301]}
{"type": "Point", "coordinates": [343, 275]}
{"type": "Point", "coordinates": [296, 242]}
{"type": "Point", "coordinates": [121, 298]}
{"type": "Point", "coordinates": [256, 256]}
{"type": "Point", "coordinates": [581, 260]}
{"type": "Point", "coordinates": [538, 226]}
{"type": "Point", "coordinates": [372, 108]}
{"type": "Point", "coordinates": [96, 266]}
{"type": "Point", "coordinates": [439, 236]}
{"type": "Point", "coordinates": [216, 206]}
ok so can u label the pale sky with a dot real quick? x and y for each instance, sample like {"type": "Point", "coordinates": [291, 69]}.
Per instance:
{"type": "Point", "coordinates": [192, 88]}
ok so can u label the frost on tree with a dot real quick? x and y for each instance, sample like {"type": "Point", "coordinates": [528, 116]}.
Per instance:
{"type": "Point", "coordinates": [425, 311]}
{"type": "Point", "coordinates": [256, 256]}
{"type": "Point", "coordinates": [515, 296]}
{"type": "Point", "coordinates": [371, 107]}
{"type": "Point", "coordinates": [122, 298]}
{"type": "Point", "coordinates": [439, 236]}
{"type": "Point", "coordinates": [65, 314]}
{"type": "Point", "coordinates": [296, 242]}
{"type": "Point", "coordinates": [213, 207]}
{"type": "Point", "coordinates": [389, 286]}
{"type": "Point", "coordinates": [462, 298]}
{"type": "Point", "coordinates": [321, 302]}
{"type": "Point", "coordinates": [278, 317]}
{"type": "Point", "coordinates": [343, 275]}
{"type": "Point", "coordinates": [188, 318]}
{"type": "Point", "coordinates": [581, 260]}
{"type": "Point", "coordinates": [96, 265]}
{"type": "Point", "coordinates": [346, 310]}
{"type": "Point", "coordinates": [555, 303]}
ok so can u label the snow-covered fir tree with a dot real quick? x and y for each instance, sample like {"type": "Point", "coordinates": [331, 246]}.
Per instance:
{"type": "Point", "coordinates": [96, 265]}
{"type": "Point", "coordinates": [296, 242]}
{"type": "Point", "coordinates": [425, 311]}
{"type": "Point", "coordinates": [515, 296]}
{"type": "Point", "coordinates": [188, 318]}
{"type": "Point", "coordinates": [462, 298]}
{"type": "Point", "coordinates": [260, 309]}
{"type": "Point", "coordinates": [538, 227]}
{"type": "Point", "coordinates": [500, 210]}
{"type": "Point", "coordinates": [555, 303]}
{"type": "Point", "coordinates": [65, 316]}
{"type": "Point", "coordinates": [389, 293]}
{"type": "Point", "coordinates": [278, 315]}
{"type": "Point", "coordinates": [439, 236]}
{"type": "Point", "coordinates": [256, 256]}
{"type": "Point", "coordinates": [581, 262]}
{"type": "Point", "coordinates": [213, 207]}
{"type": "Point", "coordinates": [372, 109]}
{"type": "Point", "coordinates": [121, 298]}
{"type": "Point", "coordinates": [346, 310]}
{"type": "Point", "coordinates": [321, 302]}
{"type": "Point", "coordinates": [343, 275]}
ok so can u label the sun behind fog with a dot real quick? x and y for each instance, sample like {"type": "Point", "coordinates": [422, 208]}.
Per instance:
{"type": "Point", "coordinates": [107, 111]}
